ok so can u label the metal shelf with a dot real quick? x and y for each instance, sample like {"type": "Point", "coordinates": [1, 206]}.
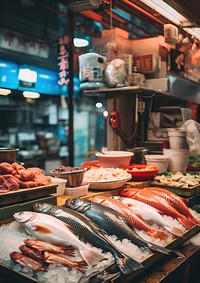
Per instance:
{"type": "Point", "coordinates": [127, 89]}
{"type": "Point", "coordinates": [179, 87]}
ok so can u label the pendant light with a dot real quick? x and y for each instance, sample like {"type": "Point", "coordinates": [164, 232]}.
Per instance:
{"type": "Point", "coordinates": [111, 45]}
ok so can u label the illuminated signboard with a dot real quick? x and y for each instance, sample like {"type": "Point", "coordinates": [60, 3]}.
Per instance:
{"type": "Point", "coordinates": [63, 61]}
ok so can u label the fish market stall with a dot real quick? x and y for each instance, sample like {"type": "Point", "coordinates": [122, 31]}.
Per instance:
{"type": "Point", "coordinates": [136, 251]}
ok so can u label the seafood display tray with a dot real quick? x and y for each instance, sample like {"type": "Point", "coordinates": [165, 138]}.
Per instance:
{"type": "Point", "coordinates": [152, 259]}
{"type": "Point", "coordinates": [186, 192]}
{"type": "Point", "coordinates": [26, 194]}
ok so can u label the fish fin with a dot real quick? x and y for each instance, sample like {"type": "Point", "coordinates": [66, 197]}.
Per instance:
{"type": "Point", "coordinates": [127, 264]}
{"type": "Point", "coordinates": [91, 256]}
{"type": "Point", "coordinates": [157, 234]}
{"type": "Point", "coordinates": [186, 222]}
{"type": "Point", "coordinates": [42, 229]}
{"type": "Point", "coordinates": [159, 249]}
{"type": "Point", "coordinates": [81, 266]}
{"type": "Point", "coordinates": [175, 231]}
{"type": "Point", "coordinates": [179, 254]}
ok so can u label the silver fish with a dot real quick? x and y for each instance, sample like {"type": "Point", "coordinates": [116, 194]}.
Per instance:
{"type": "Point", "coordinates": [47, 228]}
{"type": "Point", "coordinates": [111, 222]}
{"type": "Point", "coordinates": [84, 228]}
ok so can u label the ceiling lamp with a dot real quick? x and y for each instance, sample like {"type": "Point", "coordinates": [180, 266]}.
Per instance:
{"type": "Point", "coordinates": [167, 11]}
{"type": "Point", "coordinates": [170, 13]}
{"type": "Point", "coordinates": [31, 94]}
{"type": "Point", "coordinates": [4, 91]}
{"type": "Point", "coordinates": [80, 42]}
{"type": "Point", "coordinates": [193, 31]}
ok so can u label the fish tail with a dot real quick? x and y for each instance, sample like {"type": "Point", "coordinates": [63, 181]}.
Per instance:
{"type": "Point", "coordinates": [157, 234]}
{"type": "Point", "coordinates": [68, 250]}
{"type": "Point", "coordinates": [127, 264]}
{"type": "Point", "coordinates": [81, 266]}
{"type": "Point", "coordinates": [175, 231]}
{"type": "Point", "coordinates": [91, 256]}
{"type": "Point", "coordinates": [166, 251]}
{"type": "Point", "coordinates": [186, 222]}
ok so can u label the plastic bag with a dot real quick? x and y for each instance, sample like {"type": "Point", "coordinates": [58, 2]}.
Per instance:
{"type": "Point", "coordinates": [115, 73]}
{"type": "Point", "coordinates": [192, 136]}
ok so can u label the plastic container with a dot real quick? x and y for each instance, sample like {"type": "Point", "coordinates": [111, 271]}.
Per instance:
{"type": "Point", "coordinates": [158, 160]}
{"type": "Point", "coordinates": [77, 191]}
{"type": "Point", "coordinates": [178, 159]}
{"type": "Point", "coordinates": [177, 139]}
{"type": "Point", "coordinates": [61, 184]}
{"type": "Point", "coordinates": [91, 163]}
{"type": "Point", "coordinates": [114, 159]}
{"type": "Point", "coordinates": [141, 172]}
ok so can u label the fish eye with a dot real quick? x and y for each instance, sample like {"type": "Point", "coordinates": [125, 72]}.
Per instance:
{"type": "Point", "coordinates": [74, 201]}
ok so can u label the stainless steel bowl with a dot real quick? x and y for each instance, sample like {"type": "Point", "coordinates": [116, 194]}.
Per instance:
{"type": "Point", "coordinates": [73, 175]}
{"type": "Point", "coordinates": [8, 154]}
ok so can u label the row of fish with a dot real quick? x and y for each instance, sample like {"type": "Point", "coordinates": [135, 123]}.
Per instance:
{"type": "Point", "coordinates": [37, 255]}
{"type": "Point", "coordinates": [93, 220]}
{"type": "Point", "coordinates": [166, 202]}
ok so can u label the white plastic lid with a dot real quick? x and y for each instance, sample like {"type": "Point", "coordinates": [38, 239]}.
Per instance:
{"type": "Point", "coordinates": [156, 157]}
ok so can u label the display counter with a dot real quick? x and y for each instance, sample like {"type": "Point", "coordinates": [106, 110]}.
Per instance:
{"type": "Point", "coordinates": [157, 268]}
{"type": "Point", "coordinates": [165, 269]}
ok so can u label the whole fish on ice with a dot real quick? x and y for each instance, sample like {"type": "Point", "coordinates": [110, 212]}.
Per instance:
{"type": "Point", "coordinates": [149, 214]}
{"type": "Point", "coordinates": [153, 199]}
{"type": "Point", "coordinates": [45, 246]}
{"type": "Point", "coordinates": [130, 215]}
{"type": "Point", "coordinates": [33, 253]}
{"type": "Point", "coordinates": [176, 201]}
{"type": "Point", "coordinates": [84, 228]}
{"type": "Point", "coordinates": [24, 260]}
{"type": "Point", "coordinates": [111, 222]}
{"type": "Point", "coordinates": [61, 260]}
{"type": "Point", "coordinates": [47, 228]}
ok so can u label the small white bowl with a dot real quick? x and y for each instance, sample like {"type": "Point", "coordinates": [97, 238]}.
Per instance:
{"type": "Point", "coordinates": [114, 159]}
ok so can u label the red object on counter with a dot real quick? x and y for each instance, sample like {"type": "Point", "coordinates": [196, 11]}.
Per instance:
{"type": "Point", "coordinates": [140, 172]}
{"type": "Point", "coordinates": [166, 144]}
{"type": "Point", "coordinates": [194, 107]}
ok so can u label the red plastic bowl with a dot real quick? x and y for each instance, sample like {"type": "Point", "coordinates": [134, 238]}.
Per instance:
{"type": "Point", "coordinates": [91, 163]}
{"type": "Point", "coordinates": [142, 174]}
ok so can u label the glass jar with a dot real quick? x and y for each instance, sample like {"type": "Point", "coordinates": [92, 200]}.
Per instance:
{"type": "Point", "coordinates": [138, 77]}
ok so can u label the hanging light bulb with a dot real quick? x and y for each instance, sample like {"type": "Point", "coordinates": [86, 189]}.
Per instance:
{"type": "Point", "coordinates": [111, 45]}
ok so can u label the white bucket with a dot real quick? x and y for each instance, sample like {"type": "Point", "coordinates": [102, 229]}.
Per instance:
{"type": "Point", "coordinates": [177, 139]}
{"type": "Point", "coordinates": [157, 160]}
{"type": "Point", "coordinates": [178, 159]}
